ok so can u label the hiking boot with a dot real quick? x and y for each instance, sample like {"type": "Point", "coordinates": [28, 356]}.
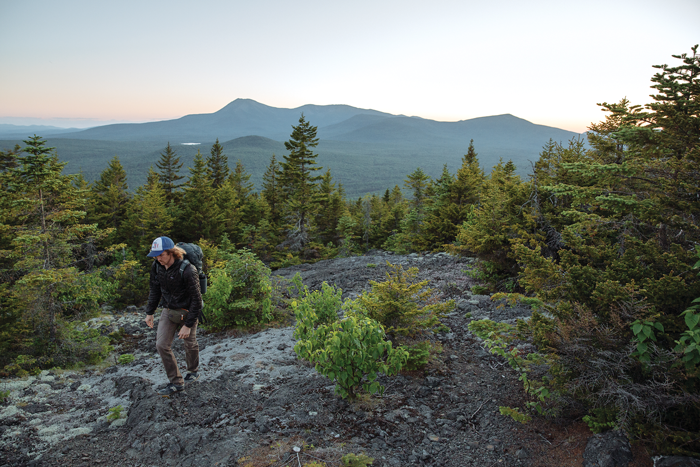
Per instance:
{"type": "Point", "coordinates": [191, 377]}
{"type": "Point", "coordinates": [171, 389]}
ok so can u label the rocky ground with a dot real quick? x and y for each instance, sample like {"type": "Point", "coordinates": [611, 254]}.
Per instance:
{"type": "Point", "coordinates": [256, 402]}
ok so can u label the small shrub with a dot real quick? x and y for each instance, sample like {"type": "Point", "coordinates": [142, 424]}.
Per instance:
{"type": "Point", "coordinates": [115, 413]}
{"type": "Point", "coordinates": [601, 419]}
{"type": "Point", "coordinates": [515, 414]}
{"type": "Point", "coordinates": [353, 460]}
{"type": "Point", "coordinates": [350, 352]}
{"type": "Point", "coordinates": [371, 265]}
{"type": "Point", "coordinates": [125, 358]}
{"type": "Point", "coordinates": [4, 395]}
{"type": "Point", "coordinates": [23, 365]}
{"type": "Point", "coordinates": [326, 303]}
{"type": "Point", "coordinates": [418, 355]}
{"type": "Point", "coordinates": [403, 305]}
{"type": "Point", "coordinates": [240, 291]}
{"type": "Point", "coordinates": [116, 336]}
{"type": "Point", "coordinates": [480, 290]}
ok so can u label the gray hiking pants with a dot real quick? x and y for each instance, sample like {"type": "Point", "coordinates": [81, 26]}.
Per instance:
{"type": "Point", "coordinates": [167, 330]}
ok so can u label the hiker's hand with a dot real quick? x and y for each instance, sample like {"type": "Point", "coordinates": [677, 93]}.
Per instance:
{"type": "Point", "coordinates": [184, 333]}
{"type": "Point", "coordinates": [149, 321]}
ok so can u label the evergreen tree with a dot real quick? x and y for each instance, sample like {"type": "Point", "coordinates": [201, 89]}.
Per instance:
{"type": "Point", "coordinates": [149, 216]}
{"type": "Point", "coordinates": [217, 164]}
{"type": "Point", "coordinates": [200, 217]}
{"type": "Point", "coordinates": [469, 179]}
{"type": "Point", "coordinates": [8, 159]}
{"type": "Point", "coordinates": [229, 205]}
{"type": "Point", "coordinates": [299, 183]}
{"type": "Point", "coordinates": [444, 214]}
{"type": "Point", "coordinates": [240, 179]}
{"type": "Point", "coordinates": [272, 193]}
{"type": "Point", "coordinates": [419, 184]}
{"type": "Point", "coordinates": [49, 281]}
{"type": "Point", "coordinates": [330, 209]}
{"type": "Point", "coordinates": [169, 167]}
{"type": "Point", "coordinates": [109, 199]}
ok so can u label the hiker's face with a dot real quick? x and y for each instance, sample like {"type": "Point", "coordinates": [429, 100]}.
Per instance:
{"type": "Point", "coordinates": [166, 258]}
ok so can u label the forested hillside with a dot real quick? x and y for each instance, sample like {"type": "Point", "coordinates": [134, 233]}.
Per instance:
{"type": "Point", "coordinates": [601, 239]}
{"type": "Point", "coordinates": [366, 149]}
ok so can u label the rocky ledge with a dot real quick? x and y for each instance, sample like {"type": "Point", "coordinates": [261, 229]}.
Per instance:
{"type": "Point", "coordinates": [256, 402]}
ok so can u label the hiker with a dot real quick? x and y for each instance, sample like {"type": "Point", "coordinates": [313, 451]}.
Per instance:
{"type": "Point", "coordinates": [179, 291]}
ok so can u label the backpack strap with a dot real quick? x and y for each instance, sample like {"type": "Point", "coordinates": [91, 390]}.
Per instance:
{"type": "Point", "coordinates": [183, 266]}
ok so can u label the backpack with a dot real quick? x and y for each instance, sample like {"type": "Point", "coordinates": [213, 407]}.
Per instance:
{"type": "Point", "coordinates": [193, 256]}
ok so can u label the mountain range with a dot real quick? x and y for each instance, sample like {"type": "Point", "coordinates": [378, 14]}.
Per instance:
{"type": "Point", "coordinates": [367, 150]}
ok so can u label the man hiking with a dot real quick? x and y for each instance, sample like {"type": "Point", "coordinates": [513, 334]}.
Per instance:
{"type": "Point", "coordinates": [182, 300]}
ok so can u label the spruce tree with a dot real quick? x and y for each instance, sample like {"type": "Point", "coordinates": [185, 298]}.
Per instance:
{"type": "Point", "coordinates": [48, 282]}
{"type": "Point", "coordinates": [330, 210]}
{"type": "Point", "coordinates": [299, 183]}
{"type": "Point", "coordinates": [149, 216]}
{"type": "Point", "coordinates": [169, 167]}
{"type": "Point", "coordinates": [469, 179]}
{"type": "Point", "coordinates": [229, 205]}
{"type": "Point", "coordinates": [217, 164]}
{"type": "Point", "coordinates": [109, 199]}
{"type": "Point", "coordinates": [272, 193]}
{"type": "Point", "coordinates": [199, 215]}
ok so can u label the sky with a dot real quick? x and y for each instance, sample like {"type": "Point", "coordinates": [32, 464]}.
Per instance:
{"type": "Point", "coordinates": [76, 63]}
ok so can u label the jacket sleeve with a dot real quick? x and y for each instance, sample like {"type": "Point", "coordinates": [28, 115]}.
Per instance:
{"type": "Point", "coordinates": [191, 277]}
{"type": "Point", "coordinates": [154, 293]}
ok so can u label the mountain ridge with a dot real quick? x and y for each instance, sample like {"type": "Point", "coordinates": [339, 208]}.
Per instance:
{"type": "Point", "coordinates": [368, 150]}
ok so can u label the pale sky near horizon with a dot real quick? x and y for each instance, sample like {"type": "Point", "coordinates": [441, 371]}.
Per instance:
{"type": "Point", "coordinates": [82, 63]}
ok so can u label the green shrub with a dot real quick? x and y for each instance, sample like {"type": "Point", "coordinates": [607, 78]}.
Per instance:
{"type": "Point", "coordinates": [53, 304]}
{"type": "Point", "coordinates": [350, 352]}
{"type": "Point", "coordinates": [326, 303]}
{"type": "Point", "coordinates": [131, 279]}
{"type": "Point", "coordinates": [22, 366]}
{"type": "Point", "coordinates": [353, 460]}
{"type": "Point", "coordinates": [116, 336]}
{"type": "Point", "coordinates": [239, 292]}
{"type": "Point", "coordinates": [601, 419]}
{"type": "Point", "coordinates": [115, 413]}
{"type": "Point", "coordinates": [403, 305]}
{"type": "Point", "coordinates": [125, 358]}
{"type": "Point", "coordinates": [4, 395]}
{"type": "Point", "coordinates": [418, 355]}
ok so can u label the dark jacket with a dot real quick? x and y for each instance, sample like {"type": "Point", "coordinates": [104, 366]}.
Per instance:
{"type": "Point", "coordinates": [175, 291]}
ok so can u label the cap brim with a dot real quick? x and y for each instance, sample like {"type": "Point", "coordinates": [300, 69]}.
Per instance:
{"type": "Point", "coordinates": [153, 254]}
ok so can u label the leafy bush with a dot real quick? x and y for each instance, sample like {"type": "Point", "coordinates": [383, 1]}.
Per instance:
{"type": "Point", "coordinates": [239, 292]}
{"type": "Point", "coordinates": [350, 352]}
{"type": "Point", "coordinates": [402, 305]}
